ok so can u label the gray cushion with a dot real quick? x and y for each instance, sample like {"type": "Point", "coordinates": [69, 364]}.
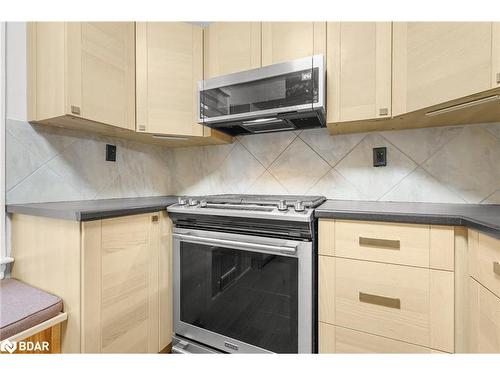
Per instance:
{"type": "Point", "coordinates": [23, 307]}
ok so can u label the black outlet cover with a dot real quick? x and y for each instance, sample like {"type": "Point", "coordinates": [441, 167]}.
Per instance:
{"type": "Point", "coordinates": [380, 156]}
{"type": "Point", "coordinates": [110, 153]}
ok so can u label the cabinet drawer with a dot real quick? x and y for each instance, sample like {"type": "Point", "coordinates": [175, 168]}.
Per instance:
{"type": "Point", "coordinates": [484, 319]}
{"type": "Point", "coordinates": [409, 244]}
{"type": "Point", "coordinates": [384, 242]}
{"type": "Point", "coordinates": [484, 261]}
{"type": "Point", "coordinates": [333, 339]}
{"type": "Point", "coordinates": [415, 305]}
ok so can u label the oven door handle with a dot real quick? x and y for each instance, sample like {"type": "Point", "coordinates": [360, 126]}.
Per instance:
{"type": "Point", "coordinates": [288, 250]}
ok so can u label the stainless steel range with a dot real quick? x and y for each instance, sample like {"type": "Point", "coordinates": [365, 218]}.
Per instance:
{"type": "Point", "coordinates": [244, 274]}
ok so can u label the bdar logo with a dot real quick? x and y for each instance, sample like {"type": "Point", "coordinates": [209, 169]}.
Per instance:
{"type": "Point", "coordinates": [8, 346]}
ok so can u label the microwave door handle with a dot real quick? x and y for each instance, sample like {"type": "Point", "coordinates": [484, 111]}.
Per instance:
{"type": "Point", "coordinates": [288, 250]}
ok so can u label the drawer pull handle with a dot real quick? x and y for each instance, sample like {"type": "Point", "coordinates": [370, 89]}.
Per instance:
{"type": "Point", "coordinates": [496, 268]}
{"type": "Point", "coordinates": [379, 242]}
{"type": "Point", "coordinates": [393, 303]}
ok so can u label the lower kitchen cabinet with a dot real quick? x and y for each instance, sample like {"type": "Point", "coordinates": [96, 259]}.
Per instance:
{"type": "Point", "coordinates": [335, 339]}
{"type": "Point", "coordinates": [407, 288]}
{"type": "Point", "coordinates": [484, 293]}
{"type": "Point", "coordinates": [409, 304]}
{"type": "Point", "coordinates": [484, 260]}
{"type": "Point", "coordinates": [484, 315]}
{"type": "Point", "coordinates": [113, 276]}
{"type": "Point", "coordinates": [381, 289]}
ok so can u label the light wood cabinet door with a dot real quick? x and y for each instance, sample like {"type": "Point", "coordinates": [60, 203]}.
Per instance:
{"type": "Point", "coordinates": [435, 62]}
{"type": "Point", "coordinates": [397, 243]}
{"type": "Point", "coordinates": [411, 304]}
{"type": "Point", "coordinates": [49, 258]}
{"type": "Point", "coordinates": [484, 260]}
{"type": "Point", "coordinates": [82, 70]}
{"type": "Point", "coordinates": [101, 72]}
{"type": "Point", "coordinates": [484, 315]}
{"type": "Point", "coordinates": [284, 41]}
{"type": "Point", "coordinates": [359, 64]}
{"type": "Point", "coordinates": [165, 284]}
{"type": "Point", "coordinates": [231, 47]}
{"type": "Point", "coordinates": [121, 290]}
{"type": "Point", "coordinates": [495, 54]}
{"type": "Point", "coordinates": [333, 339]}
{"type": "Point", "coordinates": [169, 63]}
{"type": "Point", "coordinates": [113, 275]}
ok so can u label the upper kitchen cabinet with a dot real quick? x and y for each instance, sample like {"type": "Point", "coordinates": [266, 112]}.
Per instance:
{"type": "Point", "coordinates": [283, 41]}
{"type": "Point", "coordinates": [169, 64]}
{"type": "Point", "coordinates": [436, 62]}
{"type": "Point", "coordinates": [231, 47]}
{"type": "Point", "coordinates": [81, 74]}
{"type": "Point", "coordinates": [495, 54]}
{"type": "Point", "coordinates": [358, 71]}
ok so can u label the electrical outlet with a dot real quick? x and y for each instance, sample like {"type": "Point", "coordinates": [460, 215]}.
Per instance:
{"type": "Point", "coordinates": [380, 156]}
{"type": "Point", "coordinates": [110, 153]}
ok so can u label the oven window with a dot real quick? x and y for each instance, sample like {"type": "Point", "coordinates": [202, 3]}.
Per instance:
{"type": "Point", "coordinates": [248, 296]}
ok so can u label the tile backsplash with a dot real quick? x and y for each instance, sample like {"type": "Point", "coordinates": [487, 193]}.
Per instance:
{"type": "Point", "coordinates": [51, 164]}
{"type": "Point", "coordinates": [448, 164]}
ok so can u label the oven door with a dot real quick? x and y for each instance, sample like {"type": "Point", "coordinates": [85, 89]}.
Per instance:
{"type": "Point", "coordinates": [243, 294]}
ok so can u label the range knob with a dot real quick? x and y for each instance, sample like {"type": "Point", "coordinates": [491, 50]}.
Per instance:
{"type": "Point", "coordinates": [203, 203]}
{"type": "Point", "coordinates": [182, 201]}
{"type": "Point", "coordinates": [299, 206]}
{"type": "Point", "coordinates": [193, 202]}
{"type": "Point", "coordinates": [282, 206]}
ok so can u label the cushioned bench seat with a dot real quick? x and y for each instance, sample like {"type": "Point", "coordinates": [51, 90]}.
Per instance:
{"type": "Point", "coordinates": [23, 306]}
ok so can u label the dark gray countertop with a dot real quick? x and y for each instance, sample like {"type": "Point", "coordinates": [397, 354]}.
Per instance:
{"type": "Point", "coordinates": [93, 209]}
{"type": "Point", "coordinates": [485, 218]}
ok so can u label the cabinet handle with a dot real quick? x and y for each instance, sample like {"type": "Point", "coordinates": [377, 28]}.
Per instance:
{"type": "Point", "coordinates": [496, 268]}
{"type": "Point", "coordinates": [154, 218]}
{"type": "Point", "coordinates": [498, 77]}
{"type": "Point", "coordinates": [379, 242]}
{"type": "Point", "coordinates": [383, 111]}
{"type": "Point", "coordinates": [75, 110]}
{"type": "Point", "coordinates": [142, 128]}
{"type": "Point", "coordinates": [393, 303]}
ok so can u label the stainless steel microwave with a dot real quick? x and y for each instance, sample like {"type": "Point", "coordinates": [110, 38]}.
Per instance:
{"type": "Point", "coordinates": [279, 97]}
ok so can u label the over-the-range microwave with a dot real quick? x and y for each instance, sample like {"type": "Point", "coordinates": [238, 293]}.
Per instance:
{"type": "Point", "coordinates": [279, 97]}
